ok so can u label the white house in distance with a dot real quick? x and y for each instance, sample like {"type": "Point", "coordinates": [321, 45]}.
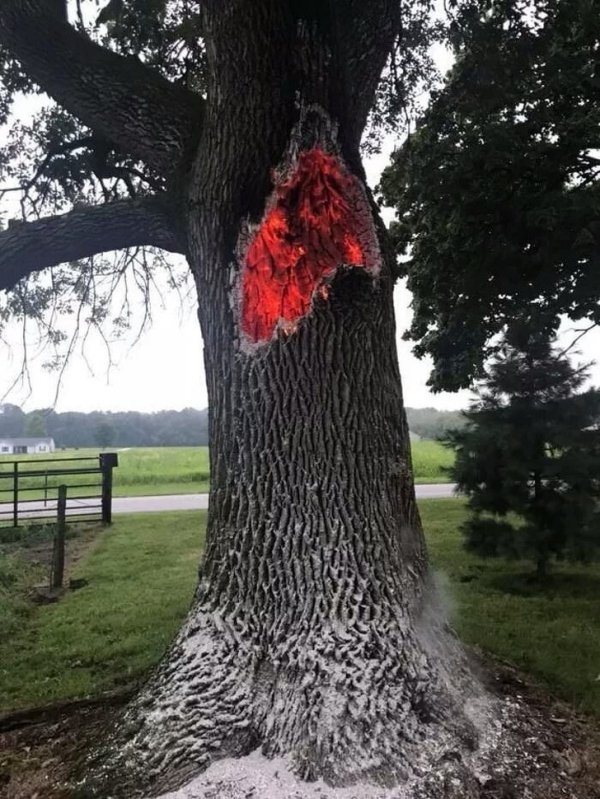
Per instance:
{"type": "Point", "coordinates": [26, 446]}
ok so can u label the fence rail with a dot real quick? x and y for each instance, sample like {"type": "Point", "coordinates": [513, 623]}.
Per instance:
{"type": "Point", "coordinates": [29, 488]}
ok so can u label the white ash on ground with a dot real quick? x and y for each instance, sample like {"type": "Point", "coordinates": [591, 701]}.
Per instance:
{"type": "Point", "coordinates": [521, 758]}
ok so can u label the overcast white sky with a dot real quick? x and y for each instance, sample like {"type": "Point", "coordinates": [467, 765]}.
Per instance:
{"type": "Point", "coordinates": [164, 370]}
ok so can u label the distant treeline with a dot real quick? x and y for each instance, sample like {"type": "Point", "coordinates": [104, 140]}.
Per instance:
{"type": "Point", "coordinates": [162, 429]}
{"type": "Point", "coordinates": [188, 427]}
{"type": "Point", "coordinates": [431, 423]}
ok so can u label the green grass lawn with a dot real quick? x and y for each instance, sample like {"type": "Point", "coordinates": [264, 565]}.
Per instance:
{"type": "Point", "coordinates": [185, 470]}
{"type": "Point", "coordinates": [552, 632]}
{"type": "Point", "coordinates": [141, 575]}
{"type": "Point", "coordinates": [16, 579]}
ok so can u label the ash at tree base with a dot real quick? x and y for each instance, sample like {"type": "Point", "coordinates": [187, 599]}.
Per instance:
{"type": "Point", "coordinates": [521, 757]}
{"type": "Point", "coordinates": [316, 223]}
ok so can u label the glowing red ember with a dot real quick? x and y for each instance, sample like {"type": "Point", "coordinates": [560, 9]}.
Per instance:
{"type": "Point", "coordinates": [309, 231]}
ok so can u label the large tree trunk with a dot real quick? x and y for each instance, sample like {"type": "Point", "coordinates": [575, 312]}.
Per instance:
{"type": "Point", "coordinates": [314, 632]}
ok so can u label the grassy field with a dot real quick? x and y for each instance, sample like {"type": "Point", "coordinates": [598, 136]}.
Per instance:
{"type": "Point", "coordinates": [552, 632]}
{"type": "Point", "coordinates": [162, 470]}
{"type": "Point", "coordinates": [140, 582]}
{"type": "Point", "coordinates": [141, 574]}
{"type": "Point", "coordinates": [182, 470]}
{"type": "Point", "coordinates": [430, 461]}
{"type": "Point", "coordinates": [141, 471]}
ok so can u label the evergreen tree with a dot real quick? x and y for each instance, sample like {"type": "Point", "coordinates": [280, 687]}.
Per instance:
{"type": "Point", "coordinates": [531, 448]}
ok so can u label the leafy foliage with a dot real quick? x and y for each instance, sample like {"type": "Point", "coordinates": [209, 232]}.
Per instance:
{"type": "Point", "coordinates": [497, 191]}
{"type": "Point", "coordinates": [532, 448]}
{"type": "Point", "coordinates": [104, 434]}
{"type": "Point", "coordinates": [410, 73]}
{"type": "Point", "coordinates": [35, 425]}
{"type": "Point", "coordinates": [50, 162]}
{"type": "Point", "coordinates": [54, 160]}
{"type": "Point", "coordinates": [71, 163]}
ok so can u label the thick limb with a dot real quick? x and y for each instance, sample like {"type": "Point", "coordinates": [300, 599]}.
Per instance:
{"type": "Point", "coordinates": [125, 101]}
{"type": "Point", "coordinates": [27, 247]}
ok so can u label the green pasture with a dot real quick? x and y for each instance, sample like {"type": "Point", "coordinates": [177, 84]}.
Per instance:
{"type": "Point", "coordinates": [170, 470]}
{"type": "Point", "coordinates": [141, 471]}
{"type": "Point", "coordinates": [431, 460]}
{"type": "Point", "coordinates": [141, 574]}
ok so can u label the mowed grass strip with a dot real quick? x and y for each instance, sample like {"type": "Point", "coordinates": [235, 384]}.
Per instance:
{"type": "Point", "coordinates": [550, 631]}
{"type": "Point", "coordinates": [146, 471]}
{"type": "Point", "coordinates": [142, 575]}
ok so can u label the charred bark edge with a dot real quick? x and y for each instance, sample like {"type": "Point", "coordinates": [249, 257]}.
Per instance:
{"type": "Point", "coordinates": [28, 247]}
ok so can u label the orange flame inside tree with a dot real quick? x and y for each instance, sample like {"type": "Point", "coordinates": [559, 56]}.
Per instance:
{"type": "Point", "coordinates": [308, 233]}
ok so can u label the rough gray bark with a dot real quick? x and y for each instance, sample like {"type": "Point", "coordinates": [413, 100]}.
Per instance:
{"type": "Point", "coordinates": [313, 633]}
{"type": "Point", "coordinates": [29, 247]}
{"type": "Point", "coordinates": [364, 34]}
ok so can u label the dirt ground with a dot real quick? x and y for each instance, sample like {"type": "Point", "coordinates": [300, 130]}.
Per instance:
{"type": "Point", "coordinates": [38, 750]}
{"type": "Point", "coordinates": [80, 540]}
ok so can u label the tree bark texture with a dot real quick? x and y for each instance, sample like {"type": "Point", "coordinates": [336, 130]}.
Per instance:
{"type": "Point", "coordinates": [29, 247]}
{"type": "Point", "coordinates": [312, 633]}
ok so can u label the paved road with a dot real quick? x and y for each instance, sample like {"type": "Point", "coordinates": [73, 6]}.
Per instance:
{"type": "Point", "coordinates": [169, 502]}
{"type": "Point", "coordinates": [435, 490]}
{"type": "Point", "coordinates": [200, 501]}
{"type": "Point", "coordinates": [166, 502]}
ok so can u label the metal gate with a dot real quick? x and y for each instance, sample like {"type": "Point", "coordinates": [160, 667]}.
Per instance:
{"type": "Point", "coordinates": [29, 488]}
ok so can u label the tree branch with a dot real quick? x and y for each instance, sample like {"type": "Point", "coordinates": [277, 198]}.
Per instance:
{"type": "Point", "coordinates": [365, 32]}
{"type": "Point", "coordinates": [119, 98]}
{"type": "Point", "coordinates": [580, 334]}
{"type": "Point", "coordinates": [60, 149]}
{"type": "Point", "coordinates": [27, 247]}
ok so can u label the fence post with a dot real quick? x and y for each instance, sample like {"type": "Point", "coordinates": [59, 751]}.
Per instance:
{"type": "Point", "coordinates": [58, 559]}
{"type": "Point", "coordinates": [16, 494]}
{"type": "Point", "coordinates": [108, 460]}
